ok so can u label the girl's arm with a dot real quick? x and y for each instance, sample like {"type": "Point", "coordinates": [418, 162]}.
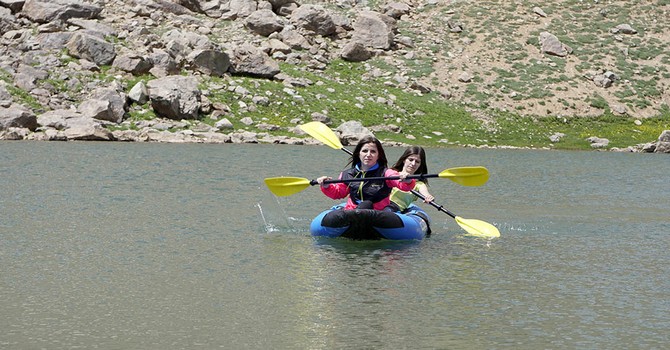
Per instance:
{"type": "Point", "coordinates": [404, 185]}
{"type": "Point", "coordinates": [423, 189]}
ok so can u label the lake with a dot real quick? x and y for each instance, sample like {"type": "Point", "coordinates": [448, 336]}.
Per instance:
{"type": "Point", "coordinates": [181, 246]}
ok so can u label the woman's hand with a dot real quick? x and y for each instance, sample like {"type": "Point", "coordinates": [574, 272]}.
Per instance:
{"type": "Point", "coordinates": [428, 198]}
{"type": "Point", "coordinates": [403, 176]}
{"type": "Point", "coordinates": [321, 179]}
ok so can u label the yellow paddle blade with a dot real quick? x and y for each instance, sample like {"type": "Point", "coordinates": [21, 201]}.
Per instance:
{"type": "Point", "coordinates": [467, 176]}
{"type": "Point", "coordinates": [478, 228]}
{"type": "Point", "coordinates": [286, 186]}
{"type": "Point", "coordinates": [322, 132]}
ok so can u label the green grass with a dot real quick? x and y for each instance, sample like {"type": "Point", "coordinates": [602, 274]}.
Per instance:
{"type": "Point", "coordinates": [422, 115]}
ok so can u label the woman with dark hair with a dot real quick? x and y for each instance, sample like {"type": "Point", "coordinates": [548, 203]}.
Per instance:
{"type": "Point", "coordinates": [412, 161]}
{"type": "Point", "coordinates": [367, 160]}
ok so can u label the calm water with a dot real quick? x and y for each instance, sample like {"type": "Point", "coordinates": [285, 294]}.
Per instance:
{"type": "Point", "coordinates": [157, 246]}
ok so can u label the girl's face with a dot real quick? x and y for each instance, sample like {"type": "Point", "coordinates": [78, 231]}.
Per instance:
{"type": "Point", "coordinates": [412, 163]}
{"type": "Point", "coordinates": [368, 155]}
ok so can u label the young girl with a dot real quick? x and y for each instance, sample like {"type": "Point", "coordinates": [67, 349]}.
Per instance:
{"type": "Point", "coordinates": [412, 161]}
{"type": "Point", "coordinates": [368, 160]}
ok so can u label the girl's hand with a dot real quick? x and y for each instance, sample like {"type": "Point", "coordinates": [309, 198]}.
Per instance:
{"type": "Point", "coordinates": [428, 198]}
{"type": "Point", "coordinates": [321, 179]}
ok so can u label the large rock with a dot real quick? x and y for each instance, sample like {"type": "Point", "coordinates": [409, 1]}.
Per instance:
{"type": "Point", "coordinates": [396, 9]}
{"type": "Point", "coordinates": [249, 60]}
{"type": "Point", "coordinates": [7, 20]}
{"type": "Point", "coordinates": [314, 18]}
{"type": "Point", "coordinates": [181, 43]}
{"type": "Point", "coordinates": [293, 39]}
{"type": "Point", "coordinates": [54, 40]}
{"type": "Point", "coordinates": [91, 48]}
{"type": "Point", "coordinates": [104, 104]}
{"type": "Point", "coordinates": [87, 129]}
{"type": "Point", "coordinates": [163, 64]}
{"type": "Point", "coordinates": [133, 63]}
{"type": "Point", "coordinates": [14, 117]}
{"type": "Point", "coordinates": [233, 9]}
{"type": "Point", "coordinates": [175, 97]}
{"type": "Point", "coordinates": [58, 119]}
{"type": "Point", "coordinates": [663, 144]}
{"type": "Point", "coordinates": [44, 11]}
{"type": "Point", "coordinates": [264, 22]}
{"type": "Point", "coordinates": [355, 51]}
{"type": "Point", "coordinates": [374, 29]}
{"type": "Point", "coordinates": [211, 62]}
{"type": "Point", "coordinates": [5, 97]}
{"type": "Point", "coordinates": [598, 142]}
{"type": "Point", "coordinates": [13, 5]}
{"type": "Point", "coordinates": [550, 44]}
{"type": "Point", "coordinates": [352, 131]}
{"type": "Point", "coordinates": [27, 77]}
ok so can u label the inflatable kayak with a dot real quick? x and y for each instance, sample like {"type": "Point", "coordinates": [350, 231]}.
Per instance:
{"type": "Point", "coordinates": [370, 224]}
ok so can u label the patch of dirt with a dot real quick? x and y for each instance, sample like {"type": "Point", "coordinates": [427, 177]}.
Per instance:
{"type": "Point", "coordinates": [499, 48]}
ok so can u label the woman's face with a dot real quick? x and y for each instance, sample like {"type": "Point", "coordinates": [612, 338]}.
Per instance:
{"type": "Point", "coordinates": [412, 163]}
{"type": "Point", "coordinates": [368, 155]}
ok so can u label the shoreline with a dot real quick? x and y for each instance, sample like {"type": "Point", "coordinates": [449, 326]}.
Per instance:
{"type": "Point", "coordinates": [149, 135]}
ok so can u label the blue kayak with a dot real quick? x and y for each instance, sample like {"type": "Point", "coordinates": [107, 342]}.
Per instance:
{"type": "Point", "coordinates": [370, 224]}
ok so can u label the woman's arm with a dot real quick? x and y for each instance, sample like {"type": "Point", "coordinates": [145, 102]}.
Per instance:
{"type": "Point", "coordinates": [334, 191]}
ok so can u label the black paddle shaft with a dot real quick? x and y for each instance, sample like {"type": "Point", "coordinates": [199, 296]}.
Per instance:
{"type": "Point", "coordinates": [439, 207]}
{"type": "Point", "coordinates": [360, 179]}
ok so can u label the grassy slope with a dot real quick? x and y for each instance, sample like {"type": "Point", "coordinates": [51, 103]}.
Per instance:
{"type": "Point", "coordinates": [505, 59]}
{"type": "Point", "coordinates": [550, 96]}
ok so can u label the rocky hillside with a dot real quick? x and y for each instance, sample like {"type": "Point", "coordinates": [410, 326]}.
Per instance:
{"type": "Point", "coordinates": [196, 70]}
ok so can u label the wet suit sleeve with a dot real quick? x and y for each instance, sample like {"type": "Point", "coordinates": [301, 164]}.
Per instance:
{"type": "Point", "coordinates": [397, 183]}
{"type": "Point", "coordinates": [337, 190]}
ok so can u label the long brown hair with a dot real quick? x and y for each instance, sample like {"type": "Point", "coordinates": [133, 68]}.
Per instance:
{"type": "Point", "coordinates": [410, 151]}
{"type": "Point", "coordinates": [356, 158]}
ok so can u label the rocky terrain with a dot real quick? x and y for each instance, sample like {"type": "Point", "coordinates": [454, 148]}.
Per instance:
{"type": "Point", "coordinates": [154, 70]}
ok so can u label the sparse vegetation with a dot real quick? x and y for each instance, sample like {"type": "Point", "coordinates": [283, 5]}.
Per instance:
{"type": "Point", "coordinates": [518, 96]}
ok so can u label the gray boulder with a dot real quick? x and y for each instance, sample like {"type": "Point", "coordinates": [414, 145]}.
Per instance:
{"type": "Point", "coordinates": [233, 9]}
{"type": "Point", "coordinates": [211, 62]}
{"type": "Point", "coordinates": [104, 104]}
{"type": "Point", "coordinates": [14, 117]}
{"type": "Point", "coordinates": [550, 44]}
{"type": "Point", "coordinates": [133, 63]}
{"type": "Point", "coordinates": [139, 93]}
{"type": "Point", "coordinates": [91, 48]}
{"type": "Point", "coordinates": [597, 142]}
{"type": "Point", "coordinates": [314, 18]}
{"type": "Point", "coordinates": [264, 22]}
{"type": "Point", "coordinates": [44, 11]}
{"type": "Point", "coordinates": [352, 131]}
{"type": "Point", "coordinates": [355, 51]}
{"type": "Point", "coordinates": [374, 29]}
{"type": "Point", "coordinates": [175, 97]}
{"type": "Point", "coordinates": [87, 129]}
{"type": "Point", "coordinates": [6, 99]}
{"type": "Point", "coordinates": [247, 59]}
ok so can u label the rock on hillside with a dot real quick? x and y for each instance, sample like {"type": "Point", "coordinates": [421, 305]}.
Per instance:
{"type": "Point", "coordinates": [67, 65]}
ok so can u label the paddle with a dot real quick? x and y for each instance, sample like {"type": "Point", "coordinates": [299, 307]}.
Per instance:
{"type": "Point", "coordinates": [322, 132]}
{"type": "Point", "coordinates": [474, 227]}
{"type": "Point", "coordinates": [467, 176]}
{"type": "Point", "coordinates": [471, 226]}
